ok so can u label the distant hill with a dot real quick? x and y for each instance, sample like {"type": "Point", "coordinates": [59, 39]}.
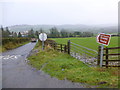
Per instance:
{"type": "Point", "coordinates": [67, 27]}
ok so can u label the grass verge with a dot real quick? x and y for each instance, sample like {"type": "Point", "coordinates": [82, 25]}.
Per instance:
{"type": "Point", "coordinates": [10, 46]}
{"type": "Point", "coordinates": [63, 66]}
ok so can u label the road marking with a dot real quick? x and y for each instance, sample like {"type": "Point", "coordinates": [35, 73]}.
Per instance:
{"type": "Point", "coordinates": [6, 57]}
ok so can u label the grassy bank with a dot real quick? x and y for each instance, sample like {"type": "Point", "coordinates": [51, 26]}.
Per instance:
{"type": "Point", "coordinates": [63, 66]}
{"type": "Point", "coordinates": [11, 45]}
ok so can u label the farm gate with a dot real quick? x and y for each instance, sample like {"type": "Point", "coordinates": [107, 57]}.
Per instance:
{"type": "Point", "coordinates": [84, 54]}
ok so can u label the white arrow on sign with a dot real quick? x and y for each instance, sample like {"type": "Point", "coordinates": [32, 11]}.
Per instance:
{"type": "Point", "coordinates": [43, 36]}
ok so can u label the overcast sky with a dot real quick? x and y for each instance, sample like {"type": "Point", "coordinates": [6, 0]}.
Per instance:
{"type": "Point", "coordinates": [57, 12]}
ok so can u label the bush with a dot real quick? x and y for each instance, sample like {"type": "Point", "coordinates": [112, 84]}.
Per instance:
{"type": "Point", "coordinates": [10, 43]}
{"type": "Point", "coordinates": [14, 40]}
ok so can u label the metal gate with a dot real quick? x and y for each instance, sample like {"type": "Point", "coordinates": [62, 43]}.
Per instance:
{"type": "Point", "coordinates": [84, 54]}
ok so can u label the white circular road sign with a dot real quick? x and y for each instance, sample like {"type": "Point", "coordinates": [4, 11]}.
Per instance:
{"type": "Point", "coordinates": [43, 36]}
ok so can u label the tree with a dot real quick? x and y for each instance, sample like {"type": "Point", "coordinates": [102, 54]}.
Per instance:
{"type": "Point", "coordinates": [77, 33]}
{"type": "Point", "coordinates": [2, 32]}
{"type": "Point", "coordinates": [71, 34]}
{"type": "Point", "coordinates": [7, 32]}
{"type": "Point", "coordinates": [19, 34]}
{"type": "Point", "coordinates": [2, 28]}
{"type": "Point", "coordinates": [41, 30]}
{"type": "Point", "coordinates": [31, 33]}
{"type": "Point", "coordinates": [87, 34]}
{"type": "Point", "coordinates": [14, 34]}
{"type": "Point", "coordinates": [64, 33]}
{"type": "Point", "coordinates": [37, 34]}
{"type": "Point", "coordinates": [54, 33]}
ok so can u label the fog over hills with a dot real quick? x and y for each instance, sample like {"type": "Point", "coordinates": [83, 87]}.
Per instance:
{"type": "Point", "coordinates": [67, 27]}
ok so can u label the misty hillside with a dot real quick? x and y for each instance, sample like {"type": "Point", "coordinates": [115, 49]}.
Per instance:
{"type": "Point", "coordinates": [68, 27]}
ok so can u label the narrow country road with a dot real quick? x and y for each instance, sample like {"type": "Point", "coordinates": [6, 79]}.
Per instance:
{"type": "Point", "coordinates": [16, 73]}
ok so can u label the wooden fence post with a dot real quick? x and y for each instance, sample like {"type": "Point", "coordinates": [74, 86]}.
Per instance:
{"type": "Point", "coordinates": [64, 48]}
{"type": "Point", "coordinates": [61, 47]}
{"type": "Point", "coordinates": [106, 57]}
{"type": "Point", "coordinates": [54, 46]}
{"type": "Point", "coordinates": [99, 50]}
{"type": "Point", "coordinates": [68, 46]}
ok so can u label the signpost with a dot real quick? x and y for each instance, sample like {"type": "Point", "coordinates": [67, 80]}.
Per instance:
{"type": "Point", "coordinates": [103, 39]}
{"type": "Point", "coordinates": [43, 38]}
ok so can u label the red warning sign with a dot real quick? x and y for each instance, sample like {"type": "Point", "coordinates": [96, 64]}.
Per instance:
{"type": "Point", "coordinates": [103, 39]}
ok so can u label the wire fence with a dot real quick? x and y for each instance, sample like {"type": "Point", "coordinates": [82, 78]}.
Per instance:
{"type": "Point", "coordinates": [84, 54]}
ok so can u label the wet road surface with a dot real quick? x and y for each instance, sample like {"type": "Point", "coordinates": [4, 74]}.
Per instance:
{"type": "Point", "coordinates": [16, 73]}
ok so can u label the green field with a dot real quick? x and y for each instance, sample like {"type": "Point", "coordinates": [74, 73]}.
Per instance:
{"type": "Point", "coordinates": [89, 42]}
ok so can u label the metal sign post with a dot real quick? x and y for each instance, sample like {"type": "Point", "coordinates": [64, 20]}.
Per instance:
{"type": "Point", "coordinates": [101, 55]}
{"type": "Point", "coordinates": [42, 45]}
{"type": "Point", "coordinates": [42, 41]}
{"type": "Point", "coordinates": [103, 39]}
{"type": "Point", "coordinates": [43, 37]}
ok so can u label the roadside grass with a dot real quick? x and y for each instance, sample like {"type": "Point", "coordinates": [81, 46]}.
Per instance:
{"type": "Point", "coordinates": [10, 46]}
{"type": "Point", "coordinates": [63, 66]}
{"type": "Point", "coordinates": [38, 45]}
